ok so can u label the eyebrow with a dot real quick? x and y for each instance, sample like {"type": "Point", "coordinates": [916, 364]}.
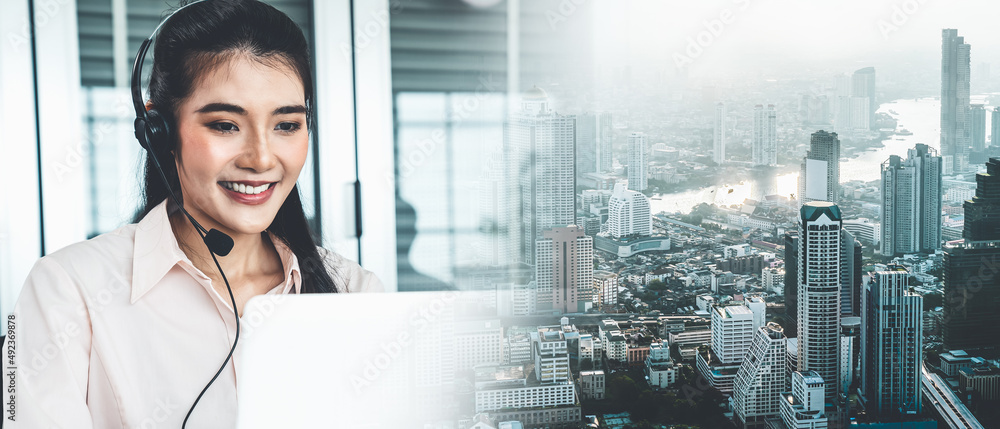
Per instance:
{"type": "Point", "coordinates": [232, 108]}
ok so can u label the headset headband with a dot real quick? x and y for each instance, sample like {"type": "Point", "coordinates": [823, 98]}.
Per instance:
{"type": "Point", "coordinates": [140, 107]}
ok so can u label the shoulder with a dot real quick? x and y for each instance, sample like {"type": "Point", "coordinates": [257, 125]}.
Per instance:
{"type": "Point", "coordinates": [349, 274]}
{"type": "Point", "coordinates": [111, 252]}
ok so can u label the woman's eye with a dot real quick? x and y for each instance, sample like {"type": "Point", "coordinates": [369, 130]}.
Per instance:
{"type": "Point", "coordinates": [224, 127]}
{"type": "Point", "coordinates": [287, 127]}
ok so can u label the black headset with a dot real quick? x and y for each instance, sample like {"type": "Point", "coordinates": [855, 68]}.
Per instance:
{"type": "Point", "coordinates": [153, 133]}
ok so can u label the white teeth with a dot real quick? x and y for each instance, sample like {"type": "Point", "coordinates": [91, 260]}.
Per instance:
{"type": "Point", "coordinates": [244, 189]}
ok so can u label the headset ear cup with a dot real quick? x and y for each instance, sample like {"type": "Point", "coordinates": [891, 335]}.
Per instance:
{"type": "Point", "coordinates": [157, 132]}
{"type": "Point", "coordinates": [139, 127]}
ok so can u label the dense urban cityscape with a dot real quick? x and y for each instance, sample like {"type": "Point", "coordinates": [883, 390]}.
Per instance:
{"type": "Point", "coordinates": [798, 259]}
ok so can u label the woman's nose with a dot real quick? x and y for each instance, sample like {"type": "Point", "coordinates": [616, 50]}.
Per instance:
{"type": "Point", "coordinates": [257, 153]}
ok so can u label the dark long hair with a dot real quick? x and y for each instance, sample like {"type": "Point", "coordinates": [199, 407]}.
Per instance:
{"type": "Point", "coordinates": [196, 40]}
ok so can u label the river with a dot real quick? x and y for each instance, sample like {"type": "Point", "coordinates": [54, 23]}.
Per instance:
{"type": "Point", "coordinates": [919, 116]}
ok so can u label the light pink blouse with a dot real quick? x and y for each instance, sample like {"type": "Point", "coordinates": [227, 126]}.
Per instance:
{"type": "Point", "coordinates": [122, 331]}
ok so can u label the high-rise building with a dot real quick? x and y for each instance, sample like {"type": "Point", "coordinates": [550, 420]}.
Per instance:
{"type": "Point", "coordinates": [761, 378]}
{"type": "Point", "coordinates": [541, 144]}
{"type": "Point", "coordinates": [593, 140]}
{"type": "Point", "coordinates": [863, 86]}
{"type": "Point", "coordinates": [819, 291]}
{"type": "Point", "coordinates": [732, 332]}
{"type": "Point", "coordinates": [764, 146]}
{"type": "Point", "coordinates": [564, 270]}
{"type": "Point", "coordinates": [637, 164]}
{"type": "Point", "coordinates": [479, 342]}
{"type": "Point", "coordinates": [551, 355]}
{"type": "Point", "coordinates": [499, 220]}
{"type": "Point", "coordinates": [819, 178]}
{"type": "Point", "coordinates": [586, 143]}
{"type": "Point", "coordinates": [850, 346]}
{"type": "Point", "coordinates": [956, 126]}
{"type": "Point", "coordinates": [804, 406]}
{"type": "Point", "coordinates": [791, 242]}
{"type": "Point", "coordinates": [972, 271]}
{"type": "Point", "coordinates": [850, 274]}
{"type": "Point", "coordinates": [628, 213]}
{"type": "Point", "coordinates": [605, 156]}
{"type": "Point", "coordinates": [719, 134]}
{"type": "Point", "coordinates": [911, 202]}
{"type": "Point", "coordinates": [995, 127]}
{"type": "Point", "coordinates": [891, 340]}
{"type": "Point", "coordinates": [978, 128]}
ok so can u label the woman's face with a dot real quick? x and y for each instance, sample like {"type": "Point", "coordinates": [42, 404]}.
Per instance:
{"type": "Point", "coordinates": [243, 141]}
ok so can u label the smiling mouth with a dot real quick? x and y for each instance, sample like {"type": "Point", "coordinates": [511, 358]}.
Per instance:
{"type": "Point", "coordinates": [248, 188]}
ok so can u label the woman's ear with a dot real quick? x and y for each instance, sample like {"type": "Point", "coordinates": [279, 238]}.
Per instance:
{"type": "Point", "coordinates": [149, 105]}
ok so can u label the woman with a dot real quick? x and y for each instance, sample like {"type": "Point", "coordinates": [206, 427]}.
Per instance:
{"type": "Point", "coordinates": [126, 329]}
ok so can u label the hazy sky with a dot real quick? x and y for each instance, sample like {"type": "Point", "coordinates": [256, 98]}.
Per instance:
{"type": "Point", "coordinates": [786, 30]}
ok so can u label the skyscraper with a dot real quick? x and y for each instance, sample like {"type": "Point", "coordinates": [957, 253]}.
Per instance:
{"type": "Point", "coordinates": [564, 270]}
{"type": "Point", "coordinates": [761, 378]}
{"type": "Point", "coordinates": [978, 128]}
{"type": "Point", "coordinates": [850, 274]}
{"type": "Point", "coordinates": [819, 177]}
{"type": "Point", "coordinates": [593, 139]}
{"type": "Point", "coordinates": [995, 127]}
{"type": "Point", "coordinates": [499, 221]}
{"type": "Point", "coordinates": [972, 271]}
{"type": "Point", "coordinates": [628, 213]}
{"type": "Point", "coordinates": [911, 202]}
{"type": "Point", "coordinates": [819, 292]}
{"type": "Point", "coordinates": [586, 143]}
{"type": "Point", "coordinates": [719, 135]}
{"type": "Point", "coordinates": [863, 86]}
{"type": "Point", "coordinates": [541, 144]}
{"type": "Point", "coordinates": [956, 136]}
{"type": "Point", "coordinates": [891, 342]}
{"type": "Point", "coordinates": [791, 242]}
{"type": "Point", "coordinates": [605, 156]}
{"type": "Point", "coordinates": [637, 162]}
{"type": "Point", "coordinates": [765, 136]}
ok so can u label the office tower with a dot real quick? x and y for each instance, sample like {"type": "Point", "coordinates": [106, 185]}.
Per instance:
{"type": "Point", "coordinates": [850, 346]}
{"type": "Point", "coordinates": [819, 178]}
{"type": "Point", "coordinates": [978, 128]}
{"type": "Point", "coordinates": [586, 143]}
{"type": "Point", "coordinates": [911, 202]}
{"type": "Point", "coordinates": [637, 162]}
{"type": "Point", "coordinates": [479, 342]}
{"type": "Point", "coordinates": [564, 270]}
{"type": "Point", "coordinates": [892, 345]}
{"type": "Point", "coordinates": [541, 147]}
{"type": "Point", "coordinates": [551, 355]}
{"type": "Point", "coordinates": [765, 136]}
{"type": "Point", "coordinates": [850, 274]}
{"type": "Point", "coordinates": [593, 140]}
{"type": "Point", "coordinates": [803, 407]}
{"type": "Point", "coordinates": [995, 127]}
{"type": "Point", "coordinates": [732, 332]}
{"type": "Point", "coordinates": [605, 156]}
{"type": "Point", "coordinates": [972, 271]}
{"type": "Point", "coordinates": [819, 291]}
{"type": "Point", "coordinates": [956, 137]}
{"type": "Point", "coordinates": [860, 119]}
{"type": "Point", "coordinates": [761, 378]}
{"type": "Point", "coordinates": [719, 135]}
{"type": "Point", "coordinates": [628, 213]}
{"type": "Point", "coordinates": [791, 242]}
{"type": "Point", "coordinates": [499, 222]}
{"type": "Point", "coordinates": [863, 87]}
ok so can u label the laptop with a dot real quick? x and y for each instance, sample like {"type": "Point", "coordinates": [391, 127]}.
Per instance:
{"type": "Point", "coordinates": [369, 360]}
